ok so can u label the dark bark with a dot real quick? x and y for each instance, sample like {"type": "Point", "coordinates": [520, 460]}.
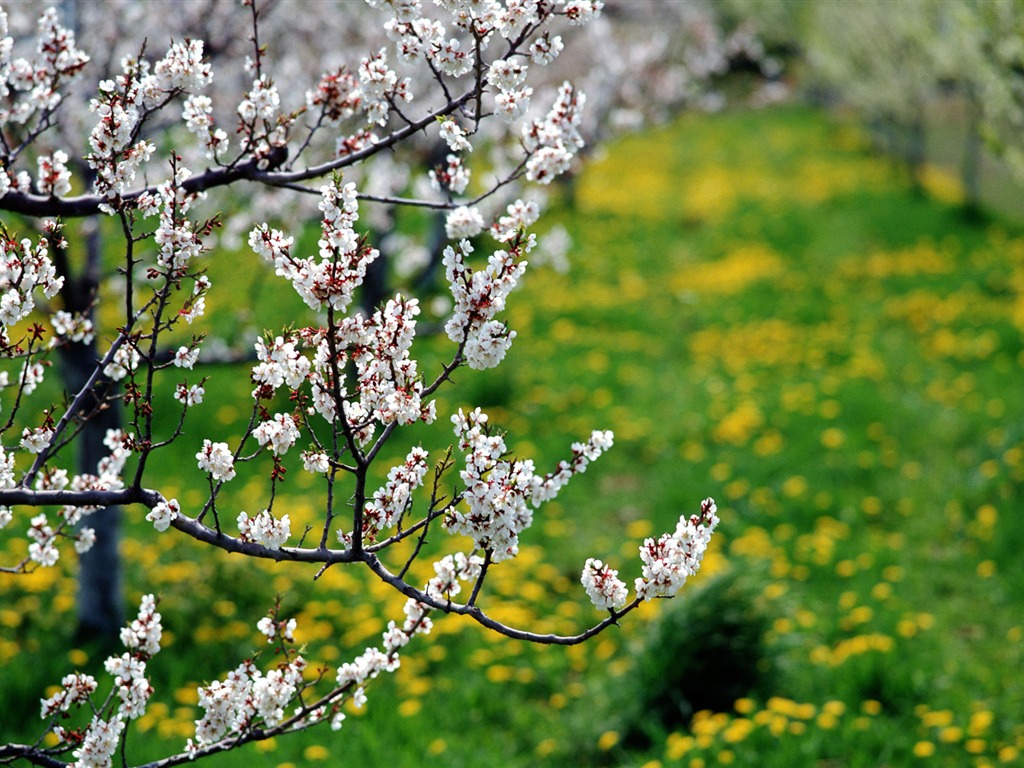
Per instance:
{"type": "Point", "coordinates": [100, 600]}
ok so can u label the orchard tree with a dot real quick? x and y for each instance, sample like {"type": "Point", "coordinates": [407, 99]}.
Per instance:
{"type": "Point", "coordinates": [881, 60]}
{"type": "Point", "coordinates": [981, 51]}
{"type": "Point", "coordinates": [163, 157]}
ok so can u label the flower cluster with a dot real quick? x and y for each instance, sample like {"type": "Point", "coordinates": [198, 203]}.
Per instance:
{"type": "Point", "coordinates": [280, 363]}
{"type": "Point", "coordinates": [332, 280]}
{"type": "Point", "coordinates": [672, 558]}
{"type": "Point", "coordinates": [378, 85]}
{"type": "Point", "coordinates": [554, 141]}
{"type": "Point", "coordinates": [176, 237]}
{"type": "Point", "coordinates": [498, 491]}
{"type": "Point", "coordinates": [163, 514]}
{"type": "Point", "coordinates": [390, 502]}
{"type": "Point", "coordinates": [451, 177]}
{"type": "Point", "coordinates": [272, 628]}
{"type": "Point", "coordinates": [125, 101]}
{"type": "Point", "coordinates": [54, 176]}
{"type": "Point", "coordinates": [101, 738]}
{"type": "Point", "coordinates": [280, 433]}
{"type": "Point", "coordinates": [197, 112]}
{"type": "Point", "coordinates": [245, 698]}
{"type": "Point", "coordinates": [126, 359]}
{"type": "Point", "coordinates": [42, 549]}
{"type": "Point", "coordinates": [479, 295]}
{"type": "Point", "coordinates": [24, 268]}
{"type": "Point", "coordinates": [604, 588]}
{"type": "Point", "coordinates": [36, 84]}
{"type": "Point", "coordinates": [261, 121]}
{"type": "Point", "coordinates": [337, 96]}
{"type": "Point", "coordinates": [508, 78]}
{"type": "Point", "coordinates": [72, 327]}
{"type": "Point", "coordinates": [264, 529]}
{"type": "Point", "coordinates": [217, 459]}
{"type": "Point", "coordinates": [390, 387]}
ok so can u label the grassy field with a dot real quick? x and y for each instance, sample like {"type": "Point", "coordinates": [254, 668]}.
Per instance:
{"type": "Point", "coordinates": [763, 312]}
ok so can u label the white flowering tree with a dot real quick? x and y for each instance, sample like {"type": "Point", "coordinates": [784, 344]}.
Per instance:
{"type": "Point", "coordinates": [160, 144]}
{"type": "Point", "coordinates": [881, 60]}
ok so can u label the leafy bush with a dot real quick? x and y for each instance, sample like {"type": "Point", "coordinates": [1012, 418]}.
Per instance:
{"type": "Point", "coordinates": [702, 653]}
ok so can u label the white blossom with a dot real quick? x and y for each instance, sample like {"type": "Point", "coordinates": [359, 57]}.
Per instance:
{"type": "Point", "coordinates": [216, 458]}
{"type": "Point", "coordinates": [163, 514]}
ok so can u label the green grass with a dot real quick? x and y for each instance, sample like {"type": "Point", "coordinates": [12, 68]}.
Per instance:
{"type": "Point", "coordinates": [763, 312]}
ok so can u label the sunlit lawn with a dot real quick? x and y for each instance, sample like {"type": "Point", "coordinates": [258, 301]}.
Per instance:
{"type": "Point", "coordinates": [763, 312]}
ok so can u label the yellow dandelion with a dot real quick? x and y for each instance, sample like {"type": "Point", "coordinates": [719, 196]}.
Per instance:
{"type": "Point", "coordinates": [924, 749]}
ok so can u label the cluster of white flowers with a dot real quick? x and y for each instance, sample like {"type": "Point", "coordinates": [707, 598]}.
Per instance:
{"type": "Point", "coordinates": [315, 462]}
{"type": "Point", "coordinates": [189, 395]}
{"type": "Point", "coordinates": [261, 118]}
{"type": "Point", "coordinates": [163, 514]}
{"type": "Point", "coordinates": [125, 360]}
{"type": "Point", "coordinates": [245, 698]}
{"type": "Point", "coordinates": [186, 357]}
{"type": "Point", "coordinates": [264, 529]}
{"type": "Point", "coordinates": [24, 268]}
{"type": "Point", "coordinates": [337, 96]}
{"type": "Point", "coordinates": [176, 237]}
{"type": "Point", "coordinates": [605, 589]}
{"type": "Point", "coordinates": [554, 141]}
{"type": "Point", "coordinates": [281, 363]}
{"type": "Point", "coordinates": [99, 743]}
{"type": "Point", "coordinates": [497, 491]}
{"type": "Point", "coordinates": [217, 459]}
{"type": "Point", "coordinates": [519, 215]}
{"type": "Point", "coordinates": [32, 88]}
{"type": "Point", "coordinates": [74, 689]}
{"type": "Point", "coordinates": [133, 688]}
{"type": "Point", "coordinates": [31, 376]}
{"type": "Point", "coordinates": [183, 68]}
{"type": "Point", "coordinates": [451, 177]}
{"type": "Point", "coordinates": [143, 635]}
{"type": "Point", "coordinates": [390, 387]}
{"type": "Point", "coordinates": [195, 305]}
{"type": "Point", "coordinates": [197, 112]}
{"type": "Point", "coordinates": [546, 48]}
{"type": "Point", "coordinates": [377, 84]}
{"type": "Point", "coordinates": [672, 558]}
{"type": "Point", "coordinates": [454, 136]}
{"type": "Point", "coordinates": [271, 628]}
{"type": "Point", "coordinates": [449, 572]}
{"type": "Point", "coordinates": [42, 549]}
{"type": "Point", "coordinates": [463, 222]}
{"type": "Point", "coordinates": [54, 176]}
{"type": "Point", "coordinates": [508, 78]}
{"type": "Point", "coordinates": [280, 433]}
{"type": "Point", "coordinates": [391, 501]}
{"type": "Point", "coordinates": [117, 154]}
{"type": "Point", "coordinates": [332, 280]}
{"type": "Point", "coordinates": [451, 58]}
{"type": "Point", "coordinates": [36, 440]}
{"type": "Point", "coordinates": [479, 295]}
{"type": "Point", "coordinates": [101, 738]}
{"type": "Point", "coordinates": [72, 327]}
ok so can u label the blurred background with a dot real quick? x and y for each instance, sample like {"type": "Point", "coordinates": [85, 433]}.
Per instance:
{"type": "Point", "coordinates": [788, 273]}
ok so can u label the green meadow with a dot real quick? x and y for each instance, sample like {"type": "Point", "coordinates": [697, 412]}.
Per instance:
{"type": "Point", "coordinates": [763, 311]}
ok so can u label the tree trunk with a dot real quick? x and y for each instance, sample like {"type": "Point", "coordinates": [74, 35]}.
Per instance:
{"type": "Point", "coordinates": [100, 600]}
{"type": "Point", "coordinates": [970, 168]}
